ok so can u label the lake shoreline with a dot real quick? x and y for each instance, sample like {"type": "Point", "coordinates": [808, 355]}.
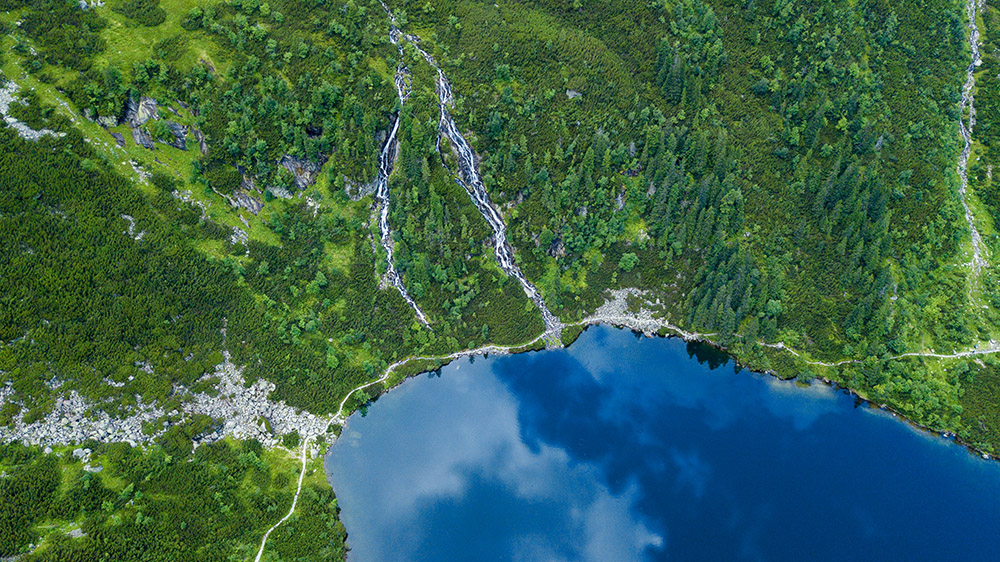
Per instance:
{"type": "Point", "coordinates": [947, 435]}
{"type": "Point", "coordinates": [643, 326]}
{"type": "Point", "coordinates": [463, 412]}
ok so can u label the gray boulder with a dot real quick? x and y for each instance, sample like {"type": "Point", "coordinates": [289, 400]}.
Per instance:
{"type": "Point", "coordinates": [138, 112]}
{"type": "Point", "coordinates": [179, 131]}
{"type": "Point", "coordinates": [247, 201]}
{"type": "Point", "coordinates": [107, 121]}
{"type": "Point", "coordinates": [142, 138]}
{"type": "Point", "coordinates": [200, 137]}
{"type": "Point", "coordinates": [280, 192]}
{"type": "Point", "coordinates": [304, 171]}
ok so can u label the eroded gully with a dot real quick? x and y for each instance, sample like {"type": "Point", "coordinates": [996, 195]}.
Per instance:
{"type": "Point", "coordinates": [469, 178]}
{"type": "Point", "coordinates": [968, 111]}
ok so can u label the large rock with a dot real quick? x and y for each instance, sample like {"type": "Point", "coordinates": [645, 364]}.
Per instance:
{"type": "Point", "coordinates": [304, 171]}
{"type": "Point", "coordinates": [138, 112]}
{"type": "Point", "coordinates": [243, 199]}
{"type": "Point", "coordinates": [280, 192]}
{"type": "Point", "coordinates": [200, 137]}
{"type": "Point", "coordinates": [107, 121]}
{"type": "Point", "coordinates": [356, 191]}
{"type": "Point", "coordinates": [179, 131]}
{"type": "Point", "coordinates": [142, 138]}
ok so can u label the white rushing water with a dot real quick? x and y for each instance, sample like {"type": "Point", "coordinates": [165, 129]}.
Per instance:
{"type": "Point", "coordinates": [968, 108]}
{"type": "Point", "coordinates": [386, 161]}
{"type": "Point", "coordinates": [469, 178]}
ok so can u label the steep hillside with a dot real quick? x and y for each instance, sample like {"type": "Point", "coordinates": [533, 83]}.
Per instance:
{"type": "Point", "coordinates": [227, 224]}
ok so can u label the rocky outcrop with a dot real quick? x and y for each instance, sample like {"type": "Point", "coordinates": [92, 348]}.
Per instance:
{"type": "Point", "coordinates": [242, 198]}
{"type": "Point", "coordinates": [357, 191]}
{"type": "Point", "coordinates": [138, 112]}
{"type": "Point", "coordinates": [200, 137]}
{"type": "Point", "coordinates": [557, 249]}
{"type": "Point", "coordinates": [303, 170]}
{"type": "Point", "coordinates": [142, 138]}
{"type": "Point", "coordinates": [239, 236]}
{"type": "Point", "coordinates": [280, 192]}
{"type": "Point", "coordinates": [246, 201]}
{"type": "Point", "coordinates": [119, 139]}
{"type": "Point", "coordinates": [179, 132]}
{"type": "Point", "coordinates": [107, 121]}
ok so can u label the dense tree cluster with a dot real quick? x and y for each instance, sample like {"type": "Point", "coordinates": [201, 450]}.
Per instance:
{"type": "Point", "coordinates": [153, 505]}
{"type": "Point", "coordinates": [67, 35]}
{"type": "Point", "coordinates": [773, 170]}
{"type": "Point", "coordinates": [985, 163]}
{"type": "Point", "coordinates": [784, 171]}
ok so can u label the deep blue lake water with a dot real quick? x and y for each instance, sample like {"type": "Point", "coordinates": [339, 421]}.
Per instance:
{"type": "Point", "coordinates": [620, 449]}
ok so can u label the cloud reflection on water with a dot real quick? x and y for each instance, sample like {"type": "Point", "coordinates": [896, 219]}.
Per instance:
{"type": "Point", "coordinates": [537, 500]}
{"type": "Point", "coordinates": [613, 450]}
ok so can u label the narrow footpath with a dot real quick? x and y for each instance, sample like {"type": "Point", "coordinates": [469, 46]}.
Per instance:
{"type": "Point", "coordinates": [295, 500]}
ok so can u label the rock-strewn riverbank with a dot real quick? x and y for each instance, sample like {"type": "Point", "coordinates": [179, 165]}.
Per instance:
{"type": "Point", "coordinates": [243, 412]}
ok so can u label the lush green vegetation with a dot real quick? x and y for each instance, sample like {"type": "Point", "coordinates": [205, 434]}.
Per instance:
{"type": "Point", "coordinates": [769, 170]}
{"type": "Point", "coordinates": [779, 171]}
{"type": "Point", "coordinates": [208, 505]}
{"type": "Point", "coordinates": [986, 157]}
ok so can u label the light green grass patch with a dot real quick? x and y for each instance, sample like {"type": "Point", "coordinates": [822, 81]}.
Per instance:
{"type": "Point", "coordinates": [129, 42]}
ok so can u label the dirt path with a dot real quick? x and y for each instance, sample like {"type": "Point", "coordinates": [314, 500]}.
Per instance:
{"type": "Point", "coordinates": [295, 500]}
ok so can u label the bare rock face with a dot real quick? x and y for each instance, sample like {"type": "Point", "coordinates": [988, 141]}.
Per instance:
{"type": "Point", "coordinates": [247, 201]}
{"type": "Point", "coordinates": [142, 138]}
{"type": "Point", "coordinates": [304, 171]}
{"type": "Point", "coordinates": [242, 197]}
{"type": "Point", "coordinates": [200, 137]}
{"type": "Point", "coordinates": [179, 131]}
{"type": "Point", "coordinates": [280, 192]}
{"type": "Point", "coordinates": [138, 112]}
{"type": "Point", "coordinates": [131, 109]}
{"type": "Point", "coordinates": [356, 191]}
{"type": "Point", "coordinates": [107, 121]}
{"type": "Point", "coordinates": [557, 249]}
{"type": "Point", "coordinates": [119, 139]}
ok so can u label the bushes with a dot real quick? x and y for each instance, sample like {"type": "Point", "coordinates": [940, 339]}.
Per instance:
{"type": "Point", "coordinates": [68, 35]}
{"type": "Point", "coordinates": [144, 12]}
{"type": "Point", "coordinates": [26, 493]}
{"type": "Point", "coordinates": [107, 300]}
{"type": "Point", "coordinates": [150, 505]}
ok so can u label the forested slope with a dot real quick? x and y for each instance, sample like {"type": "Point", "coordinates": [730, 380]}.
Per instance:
{"type": "Point", "coordinates": [780, 178]}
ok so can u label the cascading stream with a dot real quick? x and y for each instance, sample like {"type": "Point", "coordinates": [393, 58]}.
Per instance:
{"type": "Point", "coordinates": [469, 178]}
{"type": "Point", "coordinates": [967, 107]}
{"type": "Point", "coordinates": [386, 161]}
